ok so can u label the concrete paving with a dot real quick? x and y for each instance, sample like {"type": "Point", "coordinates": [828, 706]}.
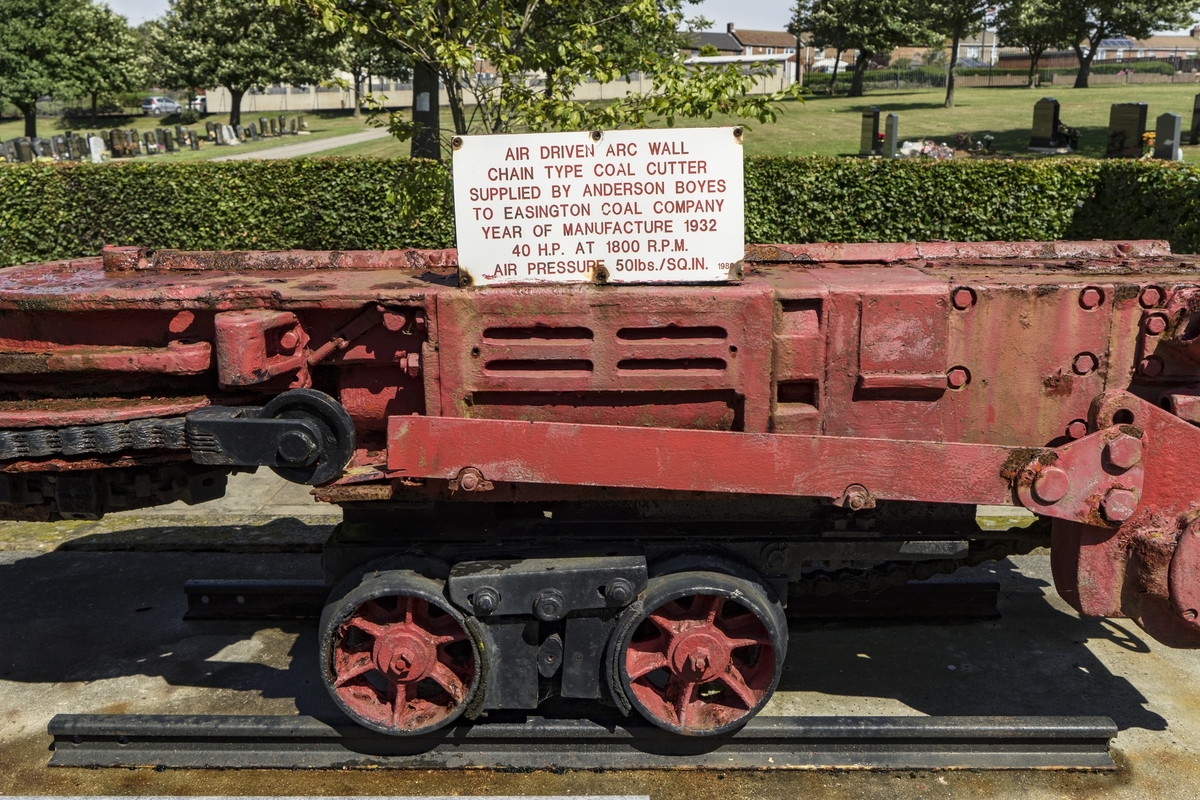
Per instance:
{"type": "Point", "coordinates": [309, 148]}
{"type": "Point", "coordinates": [91, 622]}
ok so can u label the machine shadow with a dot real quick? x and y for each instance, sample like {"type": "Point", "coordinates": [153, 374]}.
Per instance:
{"type": "Point", "coordinates": [1032, 661]}
{"type": "Point", "coordinates": [79, 617]}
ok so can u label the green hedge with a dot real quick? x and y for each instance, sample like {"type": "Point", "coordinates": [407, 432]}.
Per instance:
{"type": "Point", "coordinates": [50, 212]}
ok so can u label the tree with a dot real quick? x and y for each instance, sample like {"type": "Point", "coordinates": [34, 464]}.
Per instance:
{"type": "Point", "coordinates": [1093, 21]}
{"type": "Point", "coordinates": [1034, 25]}
{"type": "Point", "coordinates": [872, 27]}
{"type": "Point", "coordinates": [113, 59]}
{"type": "Point", "coordinates": [956, 19]}
{"type": "Point", "coordinates": [516, 64]}
{"type": "Point", "coordinates": [39, 48]}
{"type": "Point", "coordinates": [364, 55]}
{"type": "Point", "coordinates": [239, 45]}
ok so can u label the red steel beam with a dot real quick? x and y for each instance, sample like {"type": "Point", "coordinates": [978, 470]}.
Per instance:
{"type": "Point", "coordinates": [703, 461]}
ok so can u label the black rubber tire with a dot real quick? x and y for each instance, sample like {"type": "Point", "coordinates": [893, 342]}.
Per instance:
{"type": "Point", "coordinates": [337, 433]}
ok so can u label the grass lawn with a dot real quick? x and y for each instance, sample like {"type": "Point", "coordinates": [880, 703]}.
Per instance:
{"type": "Point", "coordinates": [829, 126]}
{"type": "Point", "coordinates": [321, 125]}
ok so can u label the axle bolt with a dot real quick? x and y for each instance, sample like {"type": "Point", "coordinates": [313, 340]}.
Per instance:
{"type": "Point", "coordinates": [1124, 451]}
{"type": "Point", "coordinates": [1156, 324]}
{"type": "Point", "coordinates": [958, 377]}
{"type": "Point", "coordinates": [549, 605]}
{"type": "Point", "coordinates": [1077, 429]}
{"type": "Point", "coordinates": [485, 600]}
{"type": "Point", "coordinates": [296, 447]}
{"type": "Point", "coordinates": [1152, 296]}
{"type": "Point", "coordinates": [1151, 366]}
{"type": "Point", "coordinates": [962, 298]}
{"type": "Point", "coordinates": [1118, 505]}
{"type": "Point", "coordinates": [619, 591]}
{"type": "Point", "coordinates": [1052, 485]}
{"type": "Point", "coordinates": [1090, 298]}
{"type": "Point", "coordinates": [289, 340]}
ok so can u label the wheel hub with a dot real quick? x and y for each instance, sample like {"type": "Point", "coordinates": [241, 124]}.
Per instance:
{"type": "Point", "coordinates": [404, 655]}
{"type": "Point", "coordinates": [700, 656]}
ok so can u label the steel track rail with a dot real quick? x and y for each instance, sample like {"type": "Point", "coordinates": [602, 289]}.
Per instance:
{"type": "Point", "coordinates": [879, 743]}
{"type": "Point", "coordinates": [301, 599]}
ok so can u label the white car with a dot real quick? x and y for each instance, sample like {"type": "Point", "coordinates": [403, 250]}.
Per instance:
{"type": "Point", "coordinates": [158, 106]}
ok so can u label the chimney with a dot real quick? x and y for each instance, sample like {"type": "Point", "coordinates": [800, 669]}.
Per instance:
{"type": "Point", "coordinates": [1196, 32]}
{"type": "Point", "coordinates": [729, 28]}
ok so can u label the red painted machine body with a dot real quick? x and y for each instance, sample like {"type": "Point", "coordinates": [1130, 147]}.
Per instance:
{"type": "Point", "coordinates": [1062, 377]}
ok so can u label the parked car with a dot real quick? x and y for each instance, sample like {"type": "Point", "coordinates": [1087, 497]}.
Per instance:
{"type": "Point", "coordinates": [158, 106]}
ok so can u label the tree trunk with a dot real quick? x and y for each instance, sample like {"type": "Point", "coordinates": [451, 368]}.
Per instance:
{"type": "Point", "coordinates": [29, 111]}
{"type": "Point", "coordinates": [427, 139]}
{"type": "Point", "coordinates": [951, 64]}
{"type": "Point", "coordinates": [860, 70]}
{"type": "Point", "coordinates": [235, 105]}
{"type": "Point", "coordinates": [1085, 64]}
{"type": "Point", "coordinates": [358, 79]}
{"type": "Point", "coordinates": [837, 59]}
{"type": "Point", "coordinates": [95, 109]}
{"type": "Point", "coordinates": [458, 111]}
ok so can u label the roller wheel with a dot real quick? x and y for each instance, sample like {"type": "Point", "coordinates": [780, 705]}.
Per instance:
{"type": "Point", "coordinates": [396, 656]}
{"type": "Point", "coordinates": [702, 653]}
{"type": "Point", "coordinates": [337, 434]}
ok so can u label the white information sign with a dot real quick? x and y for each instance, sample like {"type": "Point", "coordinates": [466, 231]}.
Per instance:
{"type": "Point", "coordinates": [649, 206]}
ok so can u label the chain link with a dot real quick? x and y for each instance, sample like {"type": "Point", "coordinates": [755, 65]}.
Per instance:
{"type": "Point", "coordinates": [112, 437]}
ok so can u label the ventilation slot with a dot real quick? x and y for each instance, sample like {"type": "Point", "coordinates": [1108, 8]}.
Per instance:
{"type": "Point", "coordinates": [672, 364]}
{"type": "Point", "coordinates": [544, 332]}
{"type": "Point", "coordinates": [798, 392]}
{"type": "Point", "coordinates": [672, 332]}
{"type": "Point", "coordinates": [539, 365]}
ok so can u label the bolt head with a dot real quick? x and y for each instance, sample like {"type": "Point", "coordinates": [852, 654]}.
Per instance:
{"type": "Point", "coordinates": [1151, 367]}
{"type": "Point", "coordinates": [1124, 451]}
{"type": "Point", "coordinates": [1119, 505]}
{"type": "Point", "coordinates": [619, 591]}
{"type": "Point", "coordinates": [549, 605]}
{"type": "Point", "coordinates": [289, 340]}
{"type": "Point", "coordinates": [1084, 364]}
{"type": "Point", "coordinates": [1052, 485]}
{"type": "Point", "coordinates": [1077, 429]}
{"type": "Point", "coordinates": [776, 559]}
{"type": "Point", "coordinates": [1156, 324]}
{"type": "Point", "coordinates": [1151, 297]}
{"type": "Point", "coordinates": [469, 481]}
{"type": "Point", "coordinates": [1090, 298]}
{"type": "Point", "coordinates": [962, 298]}
{"type": "Point", "coordinates": [296, 447]}
{"type": "Point", "coordinates": [958, 377]}
{"type": "Point", "coordinates": [485, 600]}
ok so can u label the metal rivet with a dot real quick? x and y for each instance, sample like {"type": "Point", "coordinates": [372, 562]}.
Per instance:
{"type": "Point", "coordinates": [1151, 297]}
{"type": "Point", "coordinates": [1084, 364]}
{"type": "Point", "coordinates": [1151, 367]}
{"type": "Point", "coordinates": [1156, 324]}
{"type": "Point", "coordinates": [1052, 485]}
{"type": "Point", "coordinates": [1077, 429]}
{"type": "Point", "coordinates": [1091, 298]}
{"type": "Point", "coordinates": [958, 377]}
{"type": "Point", "coordinates": [962, 298]}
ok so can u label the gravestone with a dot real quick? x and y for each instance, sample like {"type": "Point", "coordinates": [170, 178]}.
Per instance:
{"type": "Point", "coordinates": [160, 139]}
{"type": "Point", "coordinates": [1045, 134]}
{"type": "Point", "coordinates": [891, 135]}
{"type": "Point", "coordinates": [301, 125]}
{"type": "Point", "coordinates": [239, 132]}
{"type": "Point", "coordinates": [192, 139]}
{"type": "Point", "coordinates": [114, 146]}
{"type": "Point", "coordinates": [292, 125]}
{"type": "Point", "coordinates": [1194, 136]}
{"type": "Point", "coordinates": [3, 152]}
{"type": "Point", "coordinates": [262, 125]}
{"type": "Point", "coordinates": [868, 143]}
{"type": "Point", "coordinates": [58, 145]}
{"type": "Point", "coordinates": [73, 151]}
{"type": "Point", "coordinates": [135, 148]}
{"type": "Point", "coordinates": [150, 143]}
{"type": "Point", "coordinates": [282, 125]}
{"type": "Point", "coordinates": [1168, 133]}
{"type": "Point", "coordinates": [24, 150]}
{"type": "Point", "coordinates": [1126, 129]}
{"type": "Point", "coordinates": [274, 130]}
{"type": "Point", "coordinates": [41, 148]}
{"type": "Point", "coordinates": [253, 131]}
{"type": "Point", "coordinates": [96, 148]}
{"type": "Point", "coordinates": [169, 142]}
{"type": "Point", "coordinates": [228, 134]}
{"type": "Point", "coordinates": [210, 130]}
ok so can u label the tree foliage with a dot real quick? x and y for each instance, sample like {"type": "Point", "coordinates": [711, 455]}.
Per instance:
{"type": "Point", "coordinates": [871, 27]}
{"type": "Point", "coordinates": [114, 59]}
{"type": "Point", "coordinates": [1092, 21]}
{"type": "Point", "coordinates": [1035, 25]}
{"type": "Point", "coordinates": [241, 44]}
{"type": "Point", "coordinates": [510, 65]}
{"type": "Point", "coordinates": [956, 20]}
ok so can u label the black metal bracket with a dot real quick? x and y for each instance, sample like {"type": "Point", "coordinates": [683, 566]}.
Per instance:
{"type": "Point", "coordinates": [240, 437]}
{"type": "Point", "coordinates": [547, 588]}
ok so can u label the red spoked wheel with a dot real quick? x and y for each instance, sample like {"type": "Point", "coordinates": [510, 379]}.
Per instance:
{"type": "Point", "coordinates": [397, 656]}
{"type": "Point", "coordinates": [704, 654]}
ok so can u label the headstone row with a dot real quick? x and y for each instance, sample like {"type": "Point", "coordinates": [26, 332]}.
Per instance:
{"type": "Point", "coordinates": [871, 143]}
{"type": "Point", "coordinates": [117, 142]}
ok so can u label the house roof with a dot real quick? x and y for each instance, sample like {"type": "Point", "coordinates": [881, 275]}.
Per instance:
{"type": "Point", "coordinates": [724, 42]}
{"type": "Point", "coordinates": [765, 38]}
{"type": "Point", "coordinates": [1165, 42]}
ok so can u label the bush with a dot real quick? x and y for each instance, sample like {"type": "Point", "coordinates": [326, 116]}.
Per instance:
{"type": "Point", "coordinates": [189, 116]}
{"type": "Point", "coordinates": [53, 212]}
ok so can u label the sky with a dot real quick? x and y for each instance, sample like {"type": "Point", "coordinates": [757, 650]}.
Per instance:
{"type": "Point", "coordinates": [754, 15]}
{"type": "Point", "coordinates": [749, 14]}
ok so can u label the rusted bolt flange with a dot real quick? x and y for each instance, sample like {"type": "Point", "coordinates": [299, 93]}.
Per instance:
{"type": "Point", "coordinates": [470, 479]}
{"type": "Point", "coordinates": [485, 600]}
{"type": "Point", "coordinates": [1156, 324]}
{"type": "Point", "coordinates": [856, 498]}
{"type": "Point", "coordinates": [1091, 298]}
{"type": "Point", "coordinates": [1084, 364]}
{"type": "Point", "coordinates": [962, 298]}
{"type": "Point", "coordinates": [1151, 366]}
{"type": "Point", "coordinates": [1124, 451]}
{"type": "Point", "coordinates": [1052, 484]}
{"type": "Point", "coordinates": [1118, 505]}
{"type": "Point", "coordinates": [549, 605]}
{"type": "Point", "coordinates": [1077, 429]}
